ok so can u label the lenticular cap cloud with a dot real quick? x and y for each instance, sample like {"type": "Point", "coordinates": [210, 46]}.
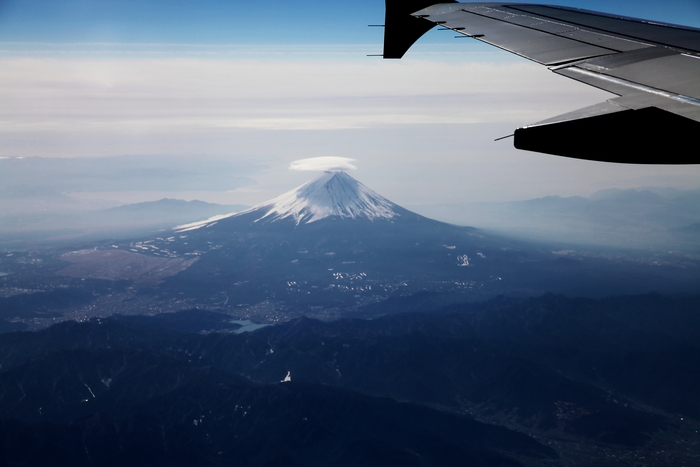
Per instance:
{"type": "Point", "coordinates": [323, 163]}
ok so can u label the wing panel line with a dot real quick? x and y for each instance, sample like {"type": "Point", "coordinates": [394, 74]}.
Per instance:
{"type": "Point", "coordinates": [681, 43]}
{"type": "Point", "coordinates": [542, 47]}
{"type": "Point", "coordinates": [568, 28]}
{"type": "Point", "coordinates": [630, 84]}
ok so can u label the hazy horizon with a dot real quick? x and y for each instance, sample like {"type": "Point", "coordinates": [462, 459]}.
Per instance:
{"type": "Point", "coordinates": [204, 90]}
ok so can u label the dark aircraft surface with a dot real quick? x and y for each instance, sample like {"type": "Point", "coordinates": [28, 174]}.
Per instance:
{"type": "Point", "coordinates": [653, 67]}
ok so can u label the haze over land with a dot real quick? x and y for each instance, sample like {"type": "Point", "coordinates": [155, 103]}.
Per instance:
{"type": "Point", "coordinates": [330, 248]}
{"type": "Point", "coordinates": [45, 200]}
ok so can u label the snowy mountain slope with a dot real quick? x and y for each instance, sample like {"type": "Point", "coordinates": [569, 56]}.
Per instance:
{"type": "Point", "coordinates": [334, 193]}
{"type": "Point", "coordinates": [331, 194]}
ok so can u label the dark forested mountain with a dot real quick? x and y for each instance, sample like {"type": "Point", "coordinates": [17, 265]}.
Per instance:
{"type": "Point", "coordinates": [540, 381]}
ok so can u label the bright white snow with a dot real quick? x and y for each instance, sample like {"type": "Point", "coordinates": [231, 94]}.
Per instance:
{"type": "Point", "coordinates": [334, 193]}
{"type": "Point", "coordinates": [198, 224]}
{"type": "Point", "coordinates": [331, 194]}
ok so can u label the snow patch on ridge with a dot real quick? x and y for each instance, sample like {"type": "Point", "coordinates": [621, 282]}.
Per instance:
{"type": "Point", "coordinates": [206, 222]}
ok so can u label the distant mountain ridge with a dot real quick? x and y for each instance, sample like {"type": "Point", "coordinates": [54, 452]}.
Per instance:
{"type": "Point", "coordinates": [630, 218]}
{"type": "Point", "coordinates": [129, 220]}
{"type": "Point", "coordinates": [182, 206]}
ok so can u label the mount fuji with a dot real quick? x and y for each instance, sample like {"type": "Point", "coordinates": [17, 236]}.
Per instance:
{"type": "Point", "coordinates": [333, 247]}
{"type": "Point", "coordinates": [334, 194]}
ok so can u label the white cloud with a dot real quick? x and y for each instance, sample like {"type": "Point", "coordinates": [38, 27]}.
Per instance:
{"type": "Point", "coordinates": [323, 163]}
{"type": "Point", "coordinates": [188, 78]}
{"type": "Point", "coordinates": [105, 106]}
{"type": "Point", "coordinates": [427, 120]}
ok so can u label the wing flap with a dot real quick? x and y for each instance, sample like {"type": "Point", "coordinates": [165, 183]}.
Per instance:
{"type": "Point", "coordinates": [541, 47]}
{"type": "Point", "coordinates": [636, 29]}
{"type": "Point", "coordinates": [604, 40]}
{"type": "Point", "coordinates": [636, 95]}
{"type": "Point", "coordinates": [558, 28]}
{"type": "Point", "coordinates": [677, 74]}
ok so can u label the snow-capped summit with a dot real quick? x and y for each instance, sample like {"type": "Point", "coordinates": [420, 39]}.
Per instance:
{"type": "Point", "coordinates": [334, 193]}
{"type": "Point", "coordinates": [331, 194]}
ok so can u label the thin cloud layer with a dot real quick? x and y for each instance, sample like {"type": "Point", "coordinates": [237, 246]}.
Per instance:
{"type": "Point", "coordinates": [323, 163]}
{"type": "Point", "coordinates": [430, 122]}
{"type": "Point", "coordinates": [108, 106]}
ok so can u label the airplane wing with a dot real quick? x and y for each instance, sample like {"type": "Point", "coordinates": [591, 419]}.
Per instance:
{"type": "Point", "coordinates": [653, 67]}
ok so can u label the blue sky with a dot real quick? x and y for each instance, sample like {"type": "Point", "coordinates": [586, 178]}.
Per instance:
{"type": "Point", "coordinates": [200, 21]}
{"type": "Point", "coordinates": [273, 82]}
{"type": "Point", "coordinates": [226, 21]}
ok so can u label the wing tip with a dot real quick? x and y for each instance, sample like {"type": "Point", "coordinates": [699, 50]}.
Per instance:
{"type": "Point", "coordinates": [401, 30]}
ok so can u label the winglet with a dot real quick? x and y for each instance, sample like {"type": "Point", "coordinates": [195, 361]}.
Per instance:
{"type": "Point", "coordinates": [401, 29]}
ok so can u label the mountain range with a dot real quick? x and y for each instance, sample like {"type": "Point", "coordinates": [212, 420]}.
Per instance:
{"type": "Point", "coordinates": [335, 243]}
{"type": "Point", "coordinates": [547, 381]}
{"type": "Point", "coordinates": [329, 248]}
{"type": "Point", "coordinates": [644, 218]}
{"type": "Point", "coordinates": [142, 352]}
{"type": "Point", "coordinates": [56, 227]}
